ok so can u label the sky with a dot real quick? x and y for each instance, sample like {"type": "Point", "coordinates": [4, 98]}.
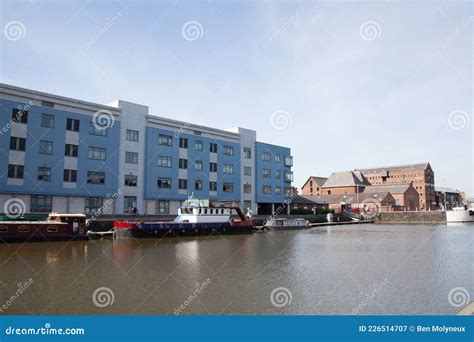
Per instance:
{"type": "Point", "coordinates": [344, 84]}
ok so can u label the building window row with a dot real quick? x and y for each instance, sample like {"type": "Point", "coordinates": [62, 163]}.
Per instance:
{"type": "Point", "coordinates": [70, 150]}
{"type": "Point", "coordinates": [167, 140]}
{"type": "Point", "coordinates": [267, 156]}
{"type": "Point", "coordinates": [166, 183]}
{"type": "Point", "coordinates": [267, 173]}
{"type": "Point", "coordinates": [267, 190]}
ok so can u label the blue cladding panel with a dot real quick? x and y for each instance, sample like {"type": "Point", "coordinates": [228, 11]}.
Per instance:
{"type": "Point", "coordinates": [33, 159]}
{"type": "Point", "coordinates": [153, 171]}
{"type": "Point", "coordinates": [272, 165]}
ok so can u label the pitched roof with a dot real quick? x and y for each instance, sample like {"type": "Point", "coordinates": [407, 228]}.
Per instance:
{"type": "Point", "coordinates": [319, 180]}
{"type": "Point", "coordinates": [447, 190]}
{"type": "Point", "coordinates": [345, 178]}
{"type": "Point", "coordinates": [392, 188]}
{"type": "Point", "coordinates": [343, 199]}
{"type": "Point", "coordinates": [406, 167]}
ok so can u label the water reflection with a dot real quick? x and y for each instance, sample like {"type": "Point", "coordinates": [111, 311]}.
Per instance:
{"type": "Point", "coordinates": [326, 270]}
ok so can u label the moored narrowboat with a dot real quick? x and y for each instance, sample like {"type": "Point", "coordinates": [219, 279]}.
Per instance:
{"type": "Point", "coordinates": [57, 227]}
{"type": "Point", "coordinates": [284, 223]}
{"type": "Point", "coordinates": [195, 217]}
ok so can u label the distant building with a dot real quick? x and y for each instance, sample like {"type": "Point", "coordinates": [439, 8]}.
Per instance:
{"type": "Point", "coordinates": [313, 186]}
{"type": "Point", "coordinates": [345, 182]}
{"type": "Point", "coordinates": [421, 175]}
{"type": "Point", "coordinates": [447, 198]}
{"type": "Point", "coordinates": [355, 202]}
{"type": "Point", "coordinates": [405, 195]}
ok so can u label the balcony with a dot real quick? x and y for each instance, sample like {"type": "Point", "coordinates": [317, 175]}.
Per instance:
{"type": "Point", "coordinates": [289, 161]}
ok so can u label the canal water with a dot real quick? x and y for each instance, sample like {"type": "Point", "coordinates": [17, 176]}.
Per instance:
{"type": "Point", "coordinates": [343, 270]}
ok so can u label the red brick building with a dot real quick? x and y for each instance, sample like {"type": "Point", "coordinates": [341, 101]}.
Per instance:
{"type": "Point", "coordinates": [344, 182]}
{"type": "Point", "coordinates": [420, 175]}
{"type": "Point", "coordinates": [405, 195]}
{"type": "Point", "coordinates": [313, 186]}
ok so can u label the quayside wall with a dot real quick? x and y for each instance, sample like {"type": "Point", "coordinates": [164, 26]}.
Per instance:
{"type": "Point", "coordinates": [412, 217]}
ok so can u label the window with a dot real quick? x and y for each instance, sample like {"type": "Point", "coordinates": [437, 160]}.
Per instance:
{"type": "Point", "coordinates": [131, 135]}
{"type": "Point", "coordinates": [96, 128]}
{"type": "Point", "coordinates": [247, 153]}
{"type": "Point", "coordinates": [198, 165]}
{"type": "Point", "coordinates": [229, 169]}
{"type": "Point", "coordinates": [47, 120]}
{"type": "Point", "coordinates": [278, 190]}
{"type": "Point", "coordinates": [17, 144]}
{"type": "Point", "coordinates": [164, 161]}
{"type": "Point", "coordinates": [52, 229]}
{"type": "Point", "coordinates": [71, 150]}
{"type": "Point", "coordinates": [24, 229]}
{"type": "Point", "coordinates": [183, 143]}
{"type": "Point", "coordinates": [93, 204]}
{"type": "Point", "coordinates": [44, 173]}
{"type": "Point", "coordinates": [277, 158]}
{"type": "Point", "coordinates": [288, 161]}
{"type": "Point", "coordinates": [163, 207]}
{"type": "Point", "coordinates": [130, 180]}
{"type": "Point", "coordinates": [72, 125]}
{"type": "Point", "coordinates": [3, 229]}
{"type": "Point", "coordinates": [182, 184]}
{"type": "Point", "coordinates": [129, 202]}
{"type": "Point", "coordinates": [41, 204]}
{"type": "Point", "coordinates": [228, 150]}
{"type": "Point", "coordinates": [70, 176]}
{"type": "Point", "coordinates": [212, 167]}
{"type": "Point", "coordinates": [198, 185]}
{"type": "Point", "coordinates": [15, 171]}
{"type": "Point", "coordinates": [266, 189]}
{"type": "Point", "coordinates": [164, 183]}
{"type": "Point", "coordinates": [288, 176]}
{"type": "Point", "coordinates": [247, 171]}
{"type": "Point", "coordinates": [47, 104]}
{"type": "Point", "coordinates": [228, 187]}
{"type": "Point", "coordinates": [19, 115]}
{"type": "Point", "coordinates": [166, 140]}
{"type": "Point", "coordinates": [183, 163]}
{"type": "Point", "coordinates": [267, 173]}
{"type": "Point", "coordinates": [95, 177]}
{"type": "Point", "coordinates": [198, 145]}
{"type": "Point", "coordinates": [213, 148]}
{"type": "Point", "coordinates": [247, 188]}
{"type": "Point", "coordinates": [97, 153]}
{"type": "Point", "coordinates": [278, 174]}
{"type": "Point", "coordinates": [247, 204]}
{"type": "Point", "coordinates": [212, 186]}
{"type": "Point", "coordinates": [46, 147]}
{"type": "Point", "coordinates": [131, 157]}
{"type": "Point", "coordinates": [288, 191]}
{"type": "Point", "coordinates": [266, 156]}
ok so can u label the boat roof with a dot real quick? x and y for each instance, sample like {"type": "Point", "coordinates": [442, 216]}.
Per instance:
{"type": "Point", "coordinates": [67, 215]}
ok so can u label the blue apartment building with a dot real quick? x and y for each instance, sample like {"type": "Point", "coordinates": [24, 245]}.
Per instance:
{"type": "Point", "coordinates": [67, 155]}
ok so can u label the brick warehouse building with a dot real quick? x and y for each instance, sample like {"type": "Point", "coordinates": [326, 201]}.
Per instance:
{"type": "Point", "coordinates": [55, 156]}
{"type": "Point", "coordinates": [313, 186]}
{"type": "Point", "coordinates": [344, 182]}
{"type": "Point", "coordinates": [421, 175]}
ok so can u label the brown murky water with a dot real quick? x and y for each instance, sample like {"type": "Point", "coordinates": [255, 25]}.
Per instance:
{"type": "Point", "coordinates": [361, 269]}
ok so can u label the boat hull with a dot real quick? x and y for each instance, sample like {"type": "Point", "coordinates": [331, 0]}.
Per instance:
{"type": "Point", "coordinates": [460, 216]}
{"type": "Point", "coordinates": [287, 227]}
{"type": "Point", "coordinates": [150, 230]}
{"type": "Point", "coordinates": [44, 239]}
